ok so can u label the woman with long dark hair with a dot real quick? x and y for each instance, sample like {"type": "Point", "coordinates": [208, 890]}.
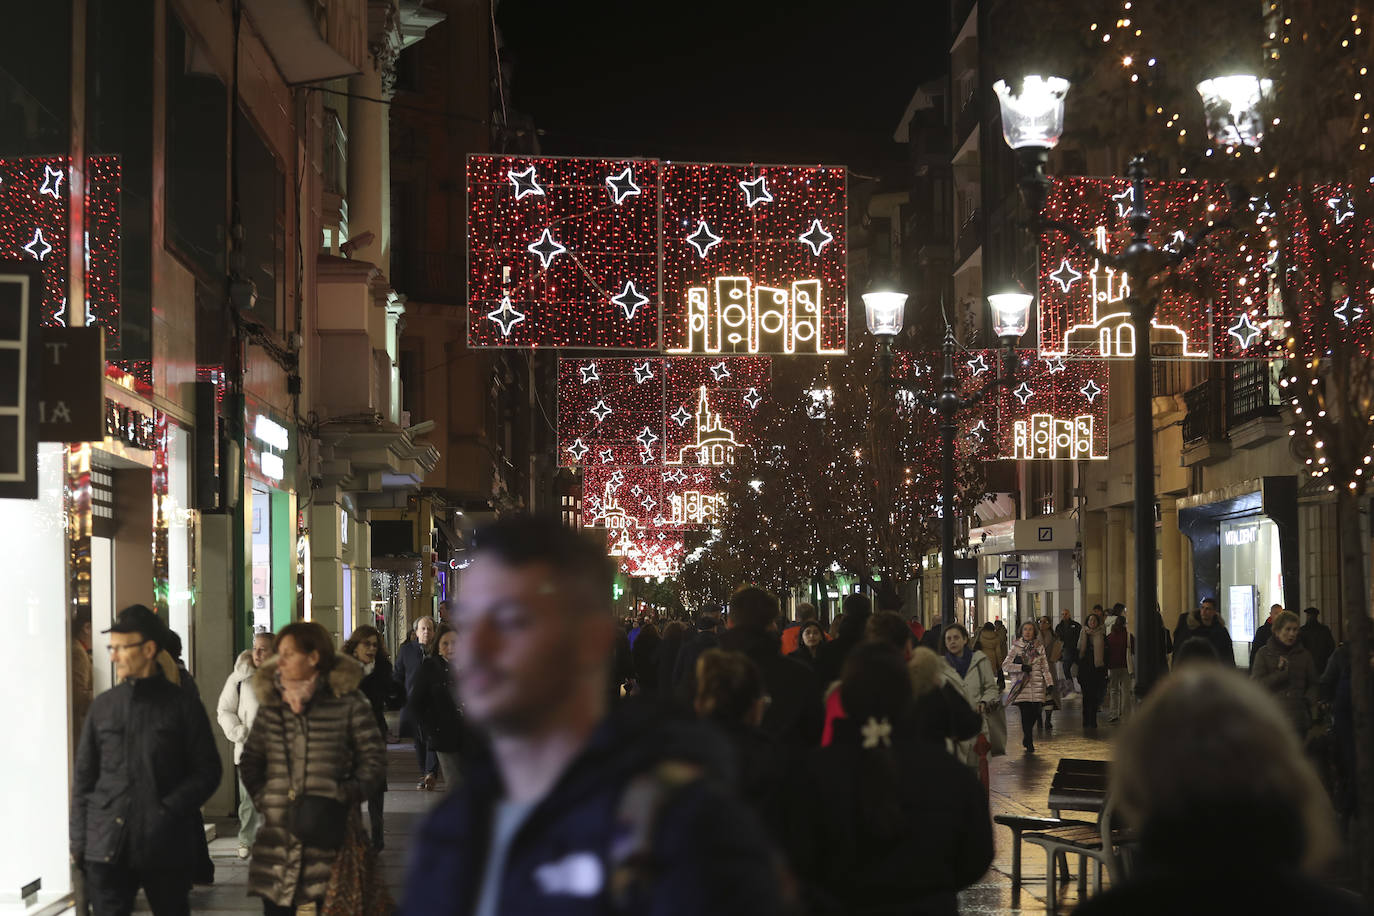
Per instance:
{"type": "Point", "coordinates": [1092, 667]}
{"type": "Point", "coordinates": [434, 705]}
{"type": "Point", "coordinates": [901, 826]}
{"type": "Point", "coordinates": [364, 645]}
{"type": "Point", "coordinates": [1028, 674]}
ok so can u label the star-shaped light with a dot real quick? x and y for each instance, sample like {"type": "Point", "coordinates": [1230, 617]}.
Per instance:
{"type": "Point", "coordinates": [1066, 276]}
{"type": "Point", "coordinates": [622, 186]}
{"type": "Point", "coordinates": [60, 316]}
{"type": "Point", "coordinates": [703, 239]}
{"type": "Point", "coordinates": [1054, 364]}
{"type": "Point", "coordinates": [646, 456]}
{"type": "Point", "coordinates": [1090, 391]}
{"type": "Point", "coordinates": [589, 373]}
{"type": "Point", "coordinates": [546, 248]}
{"type": "Point", "coordinates": [816, 237]}
{"type": "Point", "coordinates": [1342, 207]}
{"type": "Point", "coordinates": [1262, 208]}
{"type": "Point", "coordinates": [525, 183]}
{"type": "Point", "coordinates": [676, 477]}
{"type": "Point", "coordinates": [978, 365]}
{"type": "Point", "coordinates": [52, 182]}
{"type": "Point", "coordinates": [1347, 312]}
{"type": "Point", "coordinates": [39, 247]}
{"type": "Point", "coordinates": [980, 428]}
{"type": "Point", "coordinates": [605, 456]}
{"type": "Point", "coordinates": [681, 416]}
{"type": "Point", "coordinates": [753, 398]}
{"type": "Point", "coordinates": [756, 192]}
{"type": "Point", "coordinates": [636, 489]}
{"type": "Point", "coordinates": [1244, 331]}
{"type": "Point", "coordinates": [720, 371]}
{"type": "Point", "coordinates": [648, 503]}
{"type": "Point", "coordinates": [1024, 393]}
{"type": "Point", "coordinates": [630, 299]}
{"type": "Point", "coordinates": [506, 317]}
{"type": "Point", "coordinates": [601, 410]}
{"type": "Point", "coordinates": [617, 478]}
{"type": "Point", "coordinates": [1124, 201]}
{"type": "Point", "coordinates": [1175, 244]}
{"type": "Point", "coordinates": [646, 438]}
{"type": "Point", "coordinates": [643, 373]}
{"type": "Point", "coordinates": [660, 521]}
{"type": "Point", "coordinates": [578, 449]}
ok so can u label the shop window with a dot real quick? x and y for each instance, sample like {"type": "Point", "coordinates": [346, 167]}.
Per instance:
{"type": "Point", "coordinates": [195, 170]}
{"type": "Point", "coordinates": [262, 206]}
{"type": "Point", "coordinates": [1251, 577]}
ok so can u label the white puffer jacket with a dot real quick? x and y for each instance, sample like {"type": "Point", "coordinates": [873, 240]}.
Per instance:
{"type": "Point", "coordinates": [238, 703]}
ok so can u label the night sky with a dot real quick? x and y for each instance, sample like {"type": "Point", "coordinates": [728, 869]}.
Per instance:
{"type": "Point", "coordinates": [790, 81]}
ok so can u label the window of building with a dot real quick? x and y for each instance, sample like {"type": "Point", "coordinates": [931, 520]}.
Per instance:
{"type": "Point", "coordinates": [196, 143]}
{"type": "Point", "coordinates": [35, 79]}
{"type": "Point", "coordinates": [262, 210]}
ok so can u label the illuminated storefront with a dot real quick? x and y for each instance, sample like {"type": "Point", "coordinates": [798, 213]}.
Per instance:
{"type": "Point", "coordinates": [269, 517]}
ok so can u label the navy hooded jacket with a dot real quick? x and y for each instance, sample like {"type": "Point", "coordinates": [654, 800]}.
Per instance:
{"type": "Point", "coordinates": [708, 853]}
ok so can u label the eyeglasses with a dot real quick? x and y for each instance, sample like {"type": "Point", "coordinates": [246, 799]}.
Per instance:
{"type": "Point", "coordinates": [112, 649]}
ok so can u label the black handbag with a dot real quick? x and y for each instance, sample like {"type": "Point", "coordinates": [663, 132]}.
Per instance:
{"type": "Point", "coordinates": [318, 821]}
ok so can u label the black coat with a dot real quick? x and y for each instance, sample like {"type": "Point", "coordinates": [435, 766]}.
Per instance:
{"type": "Point", "coordinates": [668, 650]}
{"type": "Point", "coordinates": [945, 845]}
{"type": "Point", "coordinates": [377, 686]}
{"type": "Point", "coordinates": [685, 666]}
{"type": "Point", "coordinates": [644, 654]}
{"type": "Point", "coordinates": [1190, 625]}
{"type": "Point", "coordinates": [803, 655]}
{"type": "Point", "coordinates": [145, 764]}
{"type": "Point", "coordinates": [830, 660]}
{"type": "Point", "coordinates": [434, 707]}
{"type": "Point", "coordinates": [1261, 640]}
{"type": "Point", "coordinates": [706, 853]}
{"type": "Point", "coordinates": [1069, 632]}
{"type": "Point", "coordinates": [409, 658]}
{"type": "Point", "coordinates": [796, 714]}
{"type": "Point", "coordinates": [1317, 639]}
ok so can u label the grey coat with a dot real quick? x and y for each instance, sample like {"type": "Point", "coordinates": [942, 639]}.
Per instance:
{"type": "Point", "coordinates": [1295, 684]}
{"type": "Point", "coordinates": [335, 751]}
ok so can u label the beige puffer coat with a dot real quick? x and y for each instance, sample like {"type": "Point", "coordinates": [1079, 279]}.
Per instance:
{"type": "Point", "coordinates": [335, 750]}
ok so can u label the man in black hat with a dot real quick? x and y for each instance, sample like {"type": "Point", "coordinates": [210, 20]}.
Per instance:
{"type": "Point", "coordinates": [1316, 637]}
{"type": "Point", "coordinates": [145, 764]}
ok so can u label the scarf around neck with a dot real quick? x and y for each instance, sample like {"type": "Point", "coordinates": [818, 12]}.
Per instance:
{"type": "Point", "coordinates": [297, 694]}
{"type": "Point", "coordinates": [961, 662]}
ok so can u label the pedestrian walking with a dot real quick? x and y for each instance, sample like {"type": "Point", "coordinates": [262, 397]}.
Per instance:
{"type": "Point", "coordinates": [1205, 623]}
{"type": "Point", "coordinates": [1285, 668]}
{"type": "Point", "coordinates": [990, 644]}
{"type": "Point", "coordinates": [572, 807]}
{"type": "Point", "coordinates": [409, 658]}
{"type": "Point", "coordinates": [811, 639]}
{"type": "Point", "coordinates": [857, 610]}
{"type": "Point", "coordinates": [1003, 641]}
{"type": "Point", "coordinates": [1069, 631]}
{"type": "Point", "coordinates": [435, 707]}
{"type": "Point", "coordinates": [669, 647]}
{"type": "Point", "coordinates": [1054, 654]}
{"type": "Point", "coordinates": [313, 756]}
{"type": "Point", "coordinates": [914, 821]}
{"type": "Point", "coordinates": [364, 645]}
{"type": "Point", "coordinates": [975, 672]}
{"type": "Point", "coordinates": [1263, 633]}
{"type": "Point", "coordinates": [644, 653]}
{"type": "Point", "coordinates": [235, 711]}
{"type": "Point", "coordinates": [83, 672]}
{"type": "Point", "coordinates": [1092, 667]}
{"type": "Point", "coordinates": [145, 764]}
{"type": "Point", "coordinates": [1028, 674]}
{"type": "Point", "coordinates": [1316, 638]}
{"type": "Point", "coordinates": [792, 633]}
{"type": "Point", "coordinates": [1184, 775]}
{"type": "Point", "coordinates": [794, 716]}
{"type": "Point", "coordinates": [705, 634]}
{"type": "Point", "coordinates": [1120, 666]}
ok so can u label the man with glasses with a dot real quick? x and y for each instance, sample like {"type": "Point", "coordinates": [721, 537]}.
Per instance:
{"type": "Point", "coordinates": [145, 764]}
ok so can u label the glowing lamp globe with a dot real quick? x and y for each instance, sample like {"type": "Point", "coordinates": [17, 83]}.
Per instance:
{"type": "Point", "coordinates": [1034, 116]}
{"type": "Point", "coordinates": [885, 312]}
{"type": "Point", "coordinates": [1010, 313]}
{"type": "Point", "coordinates": [1232, 107]}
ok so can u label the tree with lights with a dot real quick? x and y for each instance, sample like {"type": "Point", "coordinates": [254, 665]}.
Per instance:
{"type": "Point", "coordinates": [1302, 206]}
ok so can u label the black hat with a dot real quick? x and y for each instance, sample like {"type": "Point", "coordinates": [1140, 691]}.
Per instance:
{"type": "Point", "coordinates": [140, 619]}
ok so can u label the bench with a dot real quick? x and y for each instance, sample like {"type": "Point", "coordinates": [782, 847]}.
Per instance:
{"type": "Point", "coordinates": [1098, 842]}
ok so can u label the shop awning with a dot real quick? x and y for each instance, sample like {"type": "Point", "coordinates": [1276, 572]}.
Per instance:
{"type": "Point", "coordinates": [289, 30]}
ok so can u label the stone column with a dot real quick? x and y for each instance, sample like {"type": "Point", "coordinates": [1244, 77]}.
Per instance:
{"type": "Point", "coordinates": [1174, 597]}
{"type": "Point", "coordinates": [1094, 560]}
{"type": "Point", "coordinates": [326, 561]}
{"type": "Point", "coordinates": [1117, 583]}
{"type": "Point", "coordinates": [369, 166]}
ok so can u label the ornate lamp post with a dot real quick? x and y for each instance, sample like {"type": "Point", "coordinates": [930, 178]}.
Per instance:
{"type": "Point", "coordinates": [1032, 123]}
{"type": "Point", "coordinates": [1011, 310]}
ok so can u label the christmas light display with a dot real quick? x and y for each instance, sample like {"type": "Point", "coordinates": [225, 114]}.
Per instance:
{"type": "Point", "coordinates": [1058, 412]}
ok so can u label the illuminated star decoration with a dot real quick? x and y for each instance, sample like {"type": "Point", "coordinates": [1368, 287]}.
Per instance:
{"type": "Point", "coordinates": [1342, 207]}
{"type": "Point", "coordinates": [1175, 244]}
{"type": "Point", "coordinates": [980, 428]}
{"type": "Point", "coordinates": [52, 181]}
{"type": "Point", "coordinates": [1244, 331]}
{"type": "Point", "coordinates": [1054, 364]}
{"type": "Point", "coordinates": [606, 456]}
{"type": "Point", "coordinates": [525, 183]}
{"type": "Point", "coordinates": [703, 239]}
{"type": "Point", "coordinates": [506, 317]}
{"type": "Point", "coordinates": [681, 416]}
{"type": "Point", "coordinates": [643, 373]}
{"type": "Point", "coordinates": [816, 237]}
{"type": "Point", "coordinates": [622, 186]}
{"type": "Point", "coordinates": [39, 247]}
{"type": "Point", "coordinates": [675, 477]}
{"type": "Point", "coordinates": [978, 365]}
{"type": "Point", "coordinates": [617, 478]}
{"type": "Point", "coordinates": [578, 449]}
{"type": "Point", "coordinates": [1263, 209]}
{"type": "Point", "coordinates": [648, 503]}
{"type": "Point", "coordinates": [589, 373]}
{"type": "Point", "coordinates": [60, 316]}
{"type": "Point", "coordinates": [630, 299]}
{"type": "Point", "coordinates": [1348, 313]}
{"type": "Point", "coordinates": [1124, 202]}
{"type": "Point", "coordinates": [1065, 276]}
{"type": "Point", "coordinates": [720, 371]}
{"type": "Point", "coordinates": [1090, 391]}
{"type": "Point", "coordinates": [1024, 393]}
{"type": "Point", "coordinates": [756, 192]}
{"type": "Point", "coordinates": [753, 398]}
{"type": "Point", "coordinates": [646, 439]}
{"type": "Point", "coordinates": [546, 248]}
{"type": "Point", "coordinates": [601, 410]}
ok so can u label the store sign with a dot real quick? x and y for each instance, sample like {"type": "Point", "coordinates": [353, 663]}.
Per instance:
{"type": "Point", "coordinates": [130, 426]}
{"type": "Point", "coordinates": [1237, 537]}
{"type": "Point", "coordinates": [269, 446]}
{"type": "Point", "coordinates": [20, 298]}
{"type": "Point", "coordinates": [73, 385]}
{"type": "Point", "coordinates": [1011, 572]}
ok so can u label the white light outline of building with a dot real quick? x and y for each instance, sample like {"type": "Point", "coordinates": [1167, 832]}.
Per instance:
{"type": "Point", "coordinates": [718, 437]}
{"type": "Point", "coordinates": [1081, 429]}
{"type": "Point", "coordinates": [744, 296]}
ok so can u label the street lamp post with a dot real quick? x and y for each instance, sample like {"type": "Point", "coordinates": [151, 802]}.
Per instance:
{"type": "Point", "coordinates": [1032, 123]}
{"type": "Point", "coordinates": [885, 311]}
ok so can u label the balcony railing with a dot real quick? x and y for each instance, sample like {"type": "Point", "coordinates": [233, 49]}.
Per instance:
{"type": "Point", "coordinates": [1206, 417]}
{"type": "Point", "coordinates": [1252, 392]}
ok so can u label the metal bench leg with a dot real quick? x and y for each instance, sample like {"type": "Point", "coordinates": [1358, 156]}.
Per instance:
{"type": "Point", "coordinates": [1082, 876]}
{"type": "Point", "coordinates": [1015, 865]}
{"type": "Point", "coordinates": [1097, 877]}
{"type": "Point", "coordinates": [1051, 887]}
{"type": "Point", "coordinates": [1063, 858]}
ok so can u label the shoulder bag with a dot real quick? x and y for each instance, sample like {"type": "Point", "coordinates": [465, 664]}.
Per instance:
{"type": "Point", "coordinates": [318, 821]}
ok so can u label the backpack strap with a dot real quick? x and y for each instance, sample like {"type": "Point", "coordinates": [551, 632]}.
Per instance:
{"type": "Point", "coordinates": [632, 863]}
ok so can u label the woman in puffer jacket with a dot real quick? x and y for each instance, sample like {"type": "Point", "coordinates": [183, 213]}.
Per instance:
{"type": "Point", "coordinates": [1028, 673]}
{"type": "Point", "coordinates": [315, 735]}
{"type": "Point", "coordinates": [235, 711]}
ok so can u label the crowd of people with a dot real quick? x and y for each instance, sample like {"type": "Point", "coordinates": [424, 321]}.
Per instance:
{"type": "Point", "coordinates": [733, 763]}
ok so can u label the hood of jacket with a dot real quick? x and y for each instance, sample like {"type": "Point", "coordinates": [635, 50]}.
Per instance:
{"type": "Point", "coordinates": [243, 666]}
{"type": "Point", "coordinates": [343, 678]}
{"type": "Point", "coordinates": [927, 671]}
